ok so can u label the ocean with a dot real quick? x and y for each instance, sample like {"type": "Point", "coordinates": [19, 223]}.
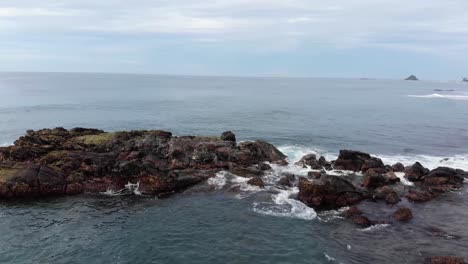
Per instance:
{"type": "Point", "coordinates": [225, 220]}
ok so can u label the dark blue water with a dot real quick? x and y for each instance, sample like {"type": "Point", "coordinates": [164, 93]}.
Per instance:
{"type": "Point", "coordinates": [397, 120]}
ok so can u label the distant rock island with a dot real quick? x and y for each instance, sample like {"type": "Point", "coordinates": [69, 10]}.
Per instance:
{"type": "Point", "coordinates": [465, 79]}
{"type": "Point", "coordinates": [412, 78]}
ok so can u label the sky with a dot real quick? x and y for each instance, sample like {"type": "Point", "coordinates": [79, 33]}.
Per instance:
{"type": "Point", "coordinates": [313, 38]}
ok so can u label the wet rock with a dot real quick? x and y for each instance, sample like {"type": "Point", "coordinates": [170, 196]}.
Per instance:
{"type": "Point", "coordinates": [387, 194]}
{"type": "Point", "coordinates": [398, 167]}
{"type": "Point", "coordinates": [375, 180]}
{"type": "Point", "coordinates": [352, 211]}
{"type": "Point", "coordinates": [361, 220]}
{"type": "Point", "coordinates": [445, 260]}
{"type": "Point", "coordinates": [287, 180]}
{"type": "Point", "coordinates": [392, 178]}
{"type": "Point", "coordinates": [443, 178]}
{"type": "Point", "coordinates": [403, 214]}
{"type": "Point", "coordinates": [308, 160]}
{"type": "Point", "coordinates": [246, 172]}
{"type": "Point", "coordinates": [264, 167]}
{"type": "Point", "coordinates": [256, 181]}
{"type": "Point", "coordinates": [420, 196]}
{"type": "Point", "coordinates": [228, 136]}
{"type": "Point", "coordinates": [330, 192]}
{"type": "Point", "coordinates": [374, 164]}
{"type": "Point", "coordinates": [358, 161]}
{"type": "Point", "coordinates": [324, 163]}
{"type": "Point", "coordinates": [415, 172]}
{"type": "Point", "coordinates": [350, 160]}
{"type": "Point", "coordinates": [314, 174]}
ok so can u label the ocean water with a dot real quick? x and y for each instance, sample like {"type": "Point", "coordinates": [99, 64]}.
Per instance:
{"type": "Point", "coordinates": [224, 220]}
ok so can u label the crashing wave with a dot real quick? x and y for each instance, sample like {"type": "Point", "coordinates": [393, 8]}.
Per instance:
{"type": "Point", "coordinates": [442, 96]}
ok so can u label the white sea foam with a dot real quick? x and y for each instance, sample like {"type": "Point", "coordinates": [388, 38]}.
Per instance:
{"type": "Point", "coordinates": [442, 96]}
{"type": "Point", "coordinates": [285, 206]}
{"type": "Point", "coordinates": [374, 227]}
{"type": "Point", "coordinates": [328, 257]}
{"type": "Point", "coordinates": [459, 161]}
{"type": "Point", "coordinates": [431, 162]}
{"type": "Point", "coordinates": [403, 180]}
{"type": "Point", "coordinates": [283, 202]}
{"type": "Point", "coordinates": [130, 188]}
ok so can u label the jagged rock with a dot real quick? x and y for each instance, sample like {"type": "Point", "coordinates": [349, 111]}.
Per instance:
{"type": "Point", "coordinates": [256, 181]}
{"type": "Point", "coordinates": [329, 192]}
{"type": "Point", "coordinates": [324, 163]}
{"type": "Point", "coordinates": [443, 178]}
{"type": "Point", "coordinates": [412, 78]}
{"type": "Point", "coordinates": [403, 214]}
{"type": "Point", "coordinates": [358, 161]}
{"type": "Point", "coordinates": [375, 180]}
{"type": "Point", "coordinates": [60, 161]}
{"type": "Point", "coordinates": [308, 160]}
{"type": "Point", "coordinates": [228, 136]}
{"type": "Point", "coordinates": [415, 172]}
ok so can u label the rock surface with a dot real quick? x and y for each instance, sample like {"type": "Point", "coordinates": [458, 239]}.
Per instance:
{"type": "Point", "coordinates": [445, 260]}
{"type": "Point", "coordinates": [59, 161]}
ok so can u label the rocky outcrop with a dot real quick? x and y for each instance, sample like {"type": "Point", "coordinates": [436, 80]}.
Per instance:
{"type": "Point", "coordinates": [358, 161]}
{"type": "Point", "coordinates": [59, 161]}
{"type": "Point", "coordinates": [412, 78]}
{"type": "Point", "coordinates": [328, 192]}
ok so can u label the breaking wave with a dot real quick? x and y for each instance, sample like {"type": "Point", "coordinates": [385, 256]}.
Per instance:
{"type": "Point", "coordinates": [442, 96]}
{"type": "Point", "coordinates": [283, 201]}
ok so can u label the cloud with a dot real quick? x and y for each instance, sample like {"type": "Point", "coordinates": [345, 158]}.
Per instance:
{"type": "Point", "coordinates": [434, 27]}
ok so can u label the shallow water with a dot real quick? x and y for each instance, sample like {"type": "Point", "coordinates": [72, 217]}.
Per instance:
{"type": "Point", "coordinates": [225, 220]}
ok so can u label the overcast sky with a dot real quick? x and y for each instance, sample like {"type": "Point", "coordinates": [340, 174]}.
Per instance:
{"type": "Point", "coordinates": [335, 38]}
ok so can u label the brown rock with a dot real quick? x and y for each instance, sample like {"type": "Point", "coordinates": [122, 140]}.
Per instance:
{"type": "Point", "coordinates": [403, 214]}
{"type": "Point", "coordinates": [352, 211]}
{"type": "Point", "coordinates": [446, 260]}
{"type": "Point", "coordinates": [257, 181]}
{"type": "Point", "coordinates": [228, 136]}
{"type": "Point", "coordinates": [330, 192]}
{"type": "Point", "coordinates": [361, 220]}
{"type": "Point", "coordinates": [415, 172]}
{"type": "Point", "coordinates": [420, 196]}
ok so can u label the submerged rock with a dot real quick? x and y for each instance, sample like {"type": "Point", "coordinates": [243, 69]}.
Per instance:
{"type": "Point", "coordinates": [403, 214]}
{"type": "Point", "coordinates": [445, 260]}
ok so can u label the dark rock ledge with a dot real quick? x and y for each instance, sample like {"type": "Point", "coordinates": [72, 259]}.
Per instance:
{"type": "Point", "coordinates": [63, 162]}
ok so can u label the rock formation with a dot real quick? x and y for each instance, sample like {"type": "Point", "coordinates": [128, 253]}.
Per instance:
{"type": "Point", "coordinates": [412, 78]}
